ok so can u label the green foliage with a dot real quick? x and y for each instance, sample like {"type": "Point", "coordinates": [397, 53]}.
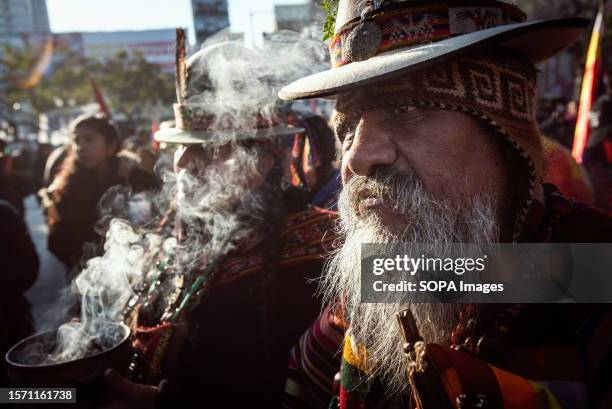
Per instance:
{"type": "Point", "coordinates": [17, 64]}
{"type": "Point", "coordinates": [331, 8]}
{"type": "Point", "coordinates": [128, 82]}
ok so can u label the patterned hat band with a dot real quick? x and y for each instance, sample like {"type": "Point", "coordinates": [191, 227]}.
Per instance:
{"type": "Point", "coordinates": [194, 117]}
{"type": "Point", "coordinates": [494, 82]}
{"type": "Point", "coordinates": [397, 25]}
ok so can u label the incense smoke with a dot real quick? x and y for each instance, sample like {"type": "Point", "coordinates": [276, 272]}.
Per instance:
{"type": "Point", "coordinates": [200, 212]}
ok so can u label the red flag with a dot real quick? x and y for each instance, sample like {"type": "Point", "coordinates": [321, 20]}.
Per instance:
{"type": "Point", "coordinates": [99, 97]}
{"type": "Point", "coordinates": [589, 83]}
{"type": "Point", "coordinates": [154, 142]}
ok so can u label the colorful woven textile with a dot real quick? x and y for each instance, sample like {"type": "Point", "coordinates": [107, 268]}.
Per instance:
{"type": "Point", "coordinates": [424, 23]}
{"type": "Point", "coordinates": [558, 356]}
{"type": "Point", "coordinates": [307, 236]}
{"type": "Point", "coordinates": [313, 365]}
{"type": "Point", "coordinates": [305, 239]}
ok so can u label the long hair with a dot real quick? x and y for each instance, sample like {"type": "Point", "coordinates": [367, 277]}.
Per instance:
{"type": "Point", "coordinates": [70, 177]}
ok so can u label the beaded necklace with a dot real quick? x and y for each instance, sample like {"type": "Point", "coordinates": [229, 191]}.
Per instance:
{"type": "Point", "coordinates": [171, 314]}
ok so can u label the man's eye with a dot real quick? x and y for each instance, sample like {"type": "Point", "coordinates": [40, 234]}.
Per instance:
{"type": "Point", "coordinates": [406, 113]}
{"type": "Point", "coordinates": [347, 139]}
{"type": "Point", "coordinates": [403, 109]}
{"type": "Point", "coordinates": [347, 131]}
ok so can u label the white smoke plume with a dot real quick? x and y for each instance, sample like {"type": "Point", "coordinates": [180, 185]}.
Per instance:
{"type": "Point", "coordinates": [214, 204]}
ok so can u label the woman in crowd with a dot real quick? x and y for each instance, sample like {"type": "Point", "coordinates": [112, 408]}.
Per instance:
{"type": "Point", "coordinates": [93, 165]}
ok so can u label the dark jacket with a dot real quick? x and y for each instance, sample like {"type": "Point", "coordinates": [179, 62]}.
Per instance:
{"type": "Point", "coordinates": [519, 355]}
{"type": "Point", "coordinates": [18, 270]}
{"type": "Point", "coordinates": [75, 213]}
{"type": "Point", "coordinates": [230, 350]}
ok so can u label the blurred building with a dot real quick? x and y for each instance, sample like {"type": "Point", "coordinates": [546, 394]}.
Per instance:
{"type": "Point", "coordinates": [296, 17]}
{"type": "Point", "coordinates": [5, 114]}
{"type": "Point", "coordinates": [19, 19]}
{"type": "Point", "coordinates": [23, 16]}
{"type": "Point", "coordinates": [17, 121]}
{"type": "Point", "coordinates": [65, 43]}
{"type": "Point", "coordinates": [156, 46]}
{"type": "Point", "coordinates": [25, 123]}
{"type": "Point", "coordinates": [209, 17]}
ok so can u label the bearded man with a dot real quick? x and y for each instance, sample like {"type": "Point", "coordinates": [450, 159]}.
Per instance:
{"type": "Point", "coordinates": [217, 321]}
{"type": "Point", "coordinates": [437, 119]}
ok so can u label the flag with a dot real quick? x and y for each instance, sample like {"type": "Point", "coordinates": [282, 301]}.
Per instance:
{"type": "Point", "coordinates": [99, 97]}
{"type": "Point", "coordinates": [154, 142]}
{"type": "Point", "coordinates": [589, 83]}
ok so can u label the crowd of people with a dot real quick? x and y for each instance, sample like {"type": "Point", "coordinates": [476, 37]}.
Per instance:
{"type": "Point", "coordinates": [589, 182]}
{"type": "Point", "coordinates": [241, 231]}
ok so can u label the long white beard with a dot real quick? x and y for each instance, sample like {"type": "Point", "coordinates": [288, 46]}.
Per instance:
{"type": "Point", "coordinates": [218, 204]}
{"type": "Point", "coordinates": [439, 224]}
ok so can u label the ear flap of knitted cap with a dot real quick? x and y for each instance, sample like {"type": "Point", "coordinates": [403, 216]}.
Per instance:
{"type": "Point", "coordinates": [495, 86]}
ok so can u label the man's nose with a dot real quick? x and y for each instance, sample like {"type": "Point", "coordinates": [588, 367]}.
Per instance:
{"type": "Point", "coordinates": [372, 147]}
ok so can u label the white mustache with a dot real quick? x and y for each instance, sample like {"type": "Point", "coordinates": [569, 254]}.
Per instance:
{"type": "Point", "coordinates": [430, 221]}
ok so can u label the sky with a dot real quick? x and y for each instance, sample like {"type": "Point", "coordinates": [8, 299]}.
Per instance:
{"type": "Point", "coordinates": [111, 15]}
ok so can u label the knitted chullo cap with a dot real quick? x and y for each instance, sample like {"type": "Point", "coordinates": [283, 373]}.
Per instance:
{"type": "Point", "coordinates": [492, 85]}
